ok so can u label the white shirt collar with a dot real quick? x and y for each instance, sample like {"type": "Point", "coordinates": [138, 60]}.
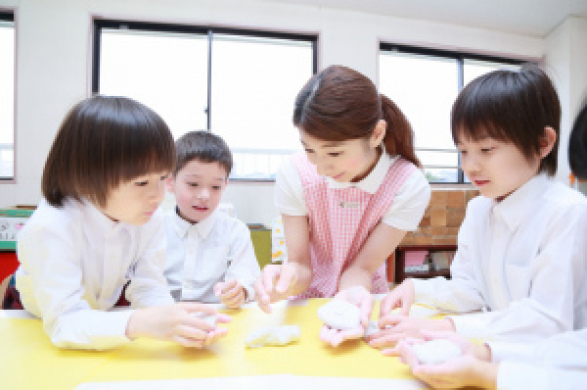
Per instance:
{"type": "Point", "coordinates": [373, 180]}
{"type": "Point", "coordinates": [202, 228]}
{"type": "Point", "coordinates": [522, 201]}
{"type": "Point", "coordinates": [98, 219]}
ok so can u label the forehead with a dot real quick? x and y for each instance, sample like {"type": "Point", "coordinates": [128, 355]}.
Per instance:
{"type": "Point", "coordinates": [200, 169]}
{"type": "Point", "coordinates": [312, 142]}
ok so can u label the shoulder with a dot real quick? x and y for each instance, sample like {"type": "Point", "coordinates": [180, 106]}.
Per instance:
{"type": "Point", "coordinates": [50, 218]}
{"type": "Point", "coordinates": [415, 186]}
{"type": "Point", "coordinates": [226, 223]}
{"type": "Point", "coordinates": [565, 203]}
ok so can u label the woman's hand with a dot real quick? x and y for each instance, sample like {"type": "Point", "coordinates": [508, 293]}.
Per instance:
{"type": "Point", "coordinates": [277, 282]}
{"type": "Point", "coordinates": [178, 323]}
{"type": "Point", "coordinates": [396, 327]}
{"type": "Point", "coordinates": [360, 297]}
{"type": "Point", "coordinates": [402, 296]}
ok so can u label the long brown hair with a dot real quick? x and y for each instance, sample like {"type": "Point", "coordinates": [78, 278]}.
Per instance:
{"type": "Point", "coordinates": [340, 104]}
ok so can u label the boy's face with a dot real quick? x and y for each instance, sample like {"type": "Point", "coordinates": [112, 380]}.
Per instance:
{"type": "Point", "coordinates": [198, 188]}
{"type": "Point", "coordinates": [495, 167]}
{"type": "Point", "coordinates": [135, 201]}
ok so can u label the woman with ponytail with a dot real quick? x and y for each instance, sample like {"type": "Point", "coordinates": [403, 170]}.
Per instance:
{"type": "Point", "coordinates": [349, 200]}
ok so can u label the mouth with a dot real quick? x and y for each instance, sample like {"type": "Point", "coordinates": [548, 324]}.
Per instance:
{"type": "Point", "coordinates": [337, 177]}
{"type": "Point", "coordinates": [481, 183]}
{"type": "Point", "coordinates": [200, 208]}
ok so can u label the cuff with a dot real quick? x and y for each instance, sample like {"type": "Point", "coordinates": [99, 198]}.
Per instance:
{"type": "Point", "coordinates": [512, 375]}
{"type": "Point", "coordinates": [470, 326]}
{"type": "Point", "coordinates": [501, 351]}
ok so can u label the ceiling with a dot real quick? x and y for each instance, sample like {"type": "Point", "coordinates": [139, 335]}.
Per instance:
{"type": "Point", "coordinates": [528, 17]}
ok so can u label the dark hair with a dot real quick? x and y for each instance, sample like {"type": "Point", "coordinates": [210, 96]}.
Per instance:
{"type": "Point", "coordinates": [510, 106]}
{"type": "Point", "coordinates": [202, 146]}
{"type": "Point", "coordinates": [340, 104]}
{"type": "Point", "coordinates": [578, 144]}
{"type": "Point", "coordinates": [102, 142]}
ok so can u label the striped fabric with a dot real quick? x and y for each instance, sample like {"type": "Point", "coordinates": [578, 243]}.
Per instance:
{"type": "Point", "coordinates": [340, 221]}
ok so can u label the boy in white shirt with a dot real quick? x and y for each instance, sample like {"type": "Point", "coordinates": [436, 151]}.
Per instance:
{"type": "Point", "coordinates": [522, 250]}
{"type": "Point", "coordinates": [210, 256]}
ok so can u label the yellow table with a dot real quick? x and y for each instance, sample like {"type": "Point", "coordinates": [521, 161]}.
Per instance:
{"type": "Point", "coordinates": [30, 361]}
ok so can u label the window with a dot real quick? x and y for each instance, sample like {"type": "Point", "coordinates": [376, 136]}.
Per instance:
{"type": "Point", "coordinates": [7, 72]}
{"type": "Point", "coordinates": [239, 84]}
{"type": "Point", "coordinates": [424, 84]}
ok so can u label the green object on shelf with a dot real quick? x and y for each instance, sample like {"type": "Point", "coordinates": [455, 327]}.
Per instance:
{"type": "Point", "coordinates": [261, 237]}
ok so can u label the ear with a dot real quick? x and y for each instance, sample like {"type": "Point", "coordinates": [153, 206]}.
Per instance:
{"type": "Point", "coordinates": [547, 141]}
{"type": "Point", "coordinates": [378, 133]}
{"type": "Point", "coordinates": [170, 184]}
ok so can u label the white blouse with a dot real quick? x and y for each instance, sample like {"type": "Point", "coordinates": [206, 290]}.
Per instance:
{"type": "Point", "coordinates": [523, 261]}
{"type": "Point", "coordinates": [405, 213]}
{"type": "Point", "coordinates": [75, 262]}
{"type": "Point", "coordinates": [216, 249]}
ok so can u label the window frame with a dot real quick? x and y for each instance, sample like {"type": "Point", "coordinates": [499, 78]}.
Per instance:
{"type": "Point", "coordinates": [9, 15]}
{"type": "Point", "coordinates": [98, 24]}
{"type": "Point", "coordinates": [460, 57]}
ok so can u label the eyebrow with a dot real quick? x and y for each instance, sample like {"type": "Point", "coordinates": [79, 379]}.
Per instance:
{"type": "Point", "coordinates": [198, 176]}
{"type": "Point", "coordinates": [334, 144]}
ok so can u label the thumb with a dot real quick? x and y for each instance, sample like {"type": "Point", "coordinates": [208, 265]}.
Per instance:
{"type": "Point", "coordinates": [218, 288]}
{"type": "Point", "coordinates": [286, 279]}
{"type": "Point", "coordinates": [390, 320]}
{"type": "Point", "coordinates": [366, 307]}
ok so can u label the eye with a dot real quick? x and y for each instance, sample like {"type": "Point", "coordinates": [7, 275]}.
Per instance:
{"type": "Point", "coordinates": [487, 150]}
{"type": "Point", "coordinates": [335, 154]}
{"type": "Point", "coordinates": [309, 150]}
{"type": "Point", "coordinates": [142, 183]}
{"type": "Point", "coordinates": [192, 184]}
{"type": "Point", "coordinates": [164, 177]}
{"type": "Point", "coordinates": [216, 188]}
{"type": "Point", "coordinates": [462, 152]}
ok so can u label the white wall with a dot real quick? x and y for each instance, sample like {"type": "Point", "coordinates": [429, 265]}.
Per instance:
{"type": "Point", "coordinates": [53, 62]}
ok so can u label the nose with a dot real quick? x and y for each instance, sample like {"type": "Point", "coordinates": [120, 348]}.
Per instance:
{"type": "Point", "coordinates": [323, 167]}
{"type": "Point", "coordinates": [204, 193]}
{"type": "Point", "coordinates": [158, 191]}
{"type": "Point", "coordinates": [470, 165]}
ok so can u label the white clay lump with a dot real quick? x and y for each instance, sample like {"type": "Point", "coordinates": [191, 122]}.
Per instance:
{"type": "Point", "coordinates": [339, 314]}
{"type": "Point", "coordinates": [274, 335]}
{"type": "Point", "coordinates": [436, 351]}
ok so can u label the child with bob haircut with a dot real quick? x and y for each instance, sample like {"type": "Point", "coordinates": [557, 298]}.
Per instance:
{"type": "Point", "coordinates": [349, 200]}
{"type": "Point", "coordinates": [210, 256]}
{"type": "Point", "coordinates": [98, 229]}
{"type": "Point", "coordinates": [522, 253]}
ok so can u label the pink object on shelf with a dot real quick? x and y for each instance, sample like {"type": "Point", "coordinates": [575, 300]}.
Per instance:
{"type": "Point", "coordinates": [415, 257]}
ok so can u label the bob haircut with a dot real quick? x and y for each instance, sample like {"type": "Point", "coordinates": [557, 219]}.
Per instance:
{"type": "Point", "coordinates": [202, 146]}
{"type": "Point", "coordinates": [510, 106]}
{"type": "Point", "coordinates": [102, 142]}
{"type": "Point", "coordinates": [578, 145]}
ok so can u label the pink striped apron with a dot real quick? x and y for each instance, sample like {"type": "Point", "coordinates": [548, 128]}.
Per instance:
{"type": "Point", "coordinates": [340, 221]}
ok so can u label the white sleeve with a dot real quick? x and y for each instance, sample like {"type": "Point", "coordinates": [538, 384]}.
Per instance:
{"type": "Point", "coordinates": [410, 203]}
{"type": "Point", "coordinates": [289, 194]}
{"type": "Point", "coordinates": [148, 286]}
{"type": "Point", "coordinates": [244, 266]}
{"type": "Point", "coordinates": [562, 263]}
{"type": "Point", "coordinates": [50, 257]}
{"type": "Point", "coordinates": [462, 293]}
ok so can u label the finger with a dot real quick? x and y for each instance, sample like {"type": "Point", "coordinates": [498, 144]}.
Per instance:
{"type": "Point", "coordinates": [191, 307]}
{"type": "Point", "coordinates": [388, 303]}
{"type": "Point", "coordinates": [187, 342]}
{"type": "Point", "coordinates": [286, 279]}
{"type": "Point", "coordinates": [223, 318]}
{"type": "Point", "coordinates": [215, 335]}
{"type": "Point", "coordinates": [229, 284]}
{"type": "Point", "coordinates": [390, 320]}
{"type": "Point", "coordinates": [270, 273]}
{"type": "Point", "coordinates": [387, 340]}
{"type": "Point", "coordinates": [366, 308]}
{"type": "Point", "coordinates": [327, 334]}
{"type": "Point", "coordinates": [233, 291]}
{"type": "Point", "coordinates": [235, 301]}
{"type": "Point", "coordinates": [408, 355]}
{"type": "Point", "coordinates": [192, 332]}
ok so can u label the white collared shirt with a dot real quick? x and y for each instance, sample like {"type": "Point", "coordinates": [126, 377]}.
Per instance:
{"type": "Point", "coordinates": [216, 249]}
{"type": "Point", "coordinates": [75, 262]}
{"type": "Point", "coordinates": [558, 362]}
{"type": "Point", "coordinates": [524, 260]}
{"type": "Point", "coordinates": [405, 212]}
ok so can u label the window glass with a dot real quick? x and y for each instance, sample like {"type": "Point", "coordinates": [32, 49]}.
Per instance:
{"type": "Point", "coordinates": [7, 67]}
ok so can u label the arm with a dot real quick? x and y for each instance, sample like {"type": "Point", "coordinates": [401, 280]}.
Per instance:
{"type": "Point", "coordinates": [148, 286]}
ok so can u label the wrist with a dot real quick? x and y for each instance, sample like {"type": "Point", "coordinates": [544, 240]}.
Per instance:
{"type": "Point", "coordinates": [485, 375]}
{"type": "Point", "coordinates": [133, 330]}
{"type": "Point", "coordinates": [482, 352]}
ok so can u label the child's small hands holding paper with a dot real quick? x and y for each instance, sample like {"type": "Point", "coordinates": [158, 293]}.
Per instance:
{"type": "Point", "coordinates": [231, 293]}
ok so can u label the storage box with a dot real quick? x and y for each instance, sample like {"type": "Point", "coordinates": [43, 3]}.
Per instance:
{"type": "Point", "coordinates": [12, 219]}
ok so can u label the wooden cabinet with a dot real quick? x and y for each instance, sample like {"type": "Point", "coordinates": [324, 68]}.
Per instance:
{"type": "Point", "coordinates": [400, 272]}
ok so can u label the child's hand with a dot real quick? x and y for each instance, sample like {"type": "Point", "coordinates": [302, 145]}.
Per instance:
{"type": "Point", "coordinates": [462, 371]}
{"type": "Point", "coordinates": [358, 296]}
{"type": "Point", "coordinates": [176, 323]}
{"type": "Point", "coordinates": [395, 327]}
{"type": "Point", "coordinates": [276, 283]}
{"type": "Point", "coordinates": [402, 296]}
{"type": "Point", "coordinates": [231, 293]}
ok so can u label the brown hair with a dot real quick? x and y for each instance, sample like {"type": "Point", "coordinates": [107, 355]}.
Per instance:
{"type": "Point", "coordinates": [202, 146]}
{"type": "Point", "coordinates": [340, 104]}
{"type": "Point", "coordinates": [578, 144]}
{"type": "Point", "coordinates": [510, 106]}
{"type": "Point", "coordinates": [102, 142]}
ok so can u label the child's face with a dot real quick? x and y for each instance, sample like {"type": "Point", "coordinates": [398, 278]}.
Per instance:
{"type": "Point", "coordinates": [343, 161]}
{"type": "Point", "coordinates": [495, 167]}
{"type": "Point", "coordinates": [135, 201]}
{"type": "Point", "coordinates": [198, 188]}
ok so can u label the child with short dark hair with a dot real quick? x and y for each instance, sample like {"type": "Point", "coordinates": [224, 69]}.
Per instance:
{"type": "Point", "coordinates": [210, 256]}
{"type": "Point", "coordinates": [99, 229]}
{"type": "Point", "coordinates": [522, 253]}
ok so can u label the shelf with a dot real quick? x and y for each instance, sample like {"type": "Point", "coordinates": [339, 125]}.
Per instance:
{"type": "Point", "coordinates": [399, 263]}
